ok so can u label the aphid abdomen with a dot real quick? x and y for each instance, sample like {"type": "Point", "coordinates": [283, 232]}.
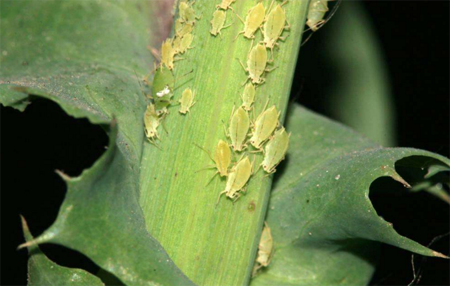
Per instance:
{"type": "Point", "coordinates": [275, 150]}
{"type": "Point", "coordinates": [238, 130]}
{"type": "Point", "coordinates": [316, 13]}
{"type": "Point", "coordinates": [265, 124]}
{"type": "Point", "coordinates": [222, 158]}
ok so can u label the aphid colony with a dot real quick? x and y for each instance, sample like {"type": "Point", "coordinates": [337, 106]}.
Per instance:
{"type": "Point", "coordinates": [164, 80]}
{"type": "Point", "coordinates": [265, 134]}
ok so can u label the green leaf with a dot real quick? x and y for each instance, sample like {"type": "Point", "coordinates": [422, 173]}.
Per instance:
{"type": "Point", "coordinates": [357, 90]}
{"type": "Point", "coordinates": [43, 271]}
{"type": "Point", "coordinates": [85, 55]}
{"type": "Point", "coordinates": [320, 212]}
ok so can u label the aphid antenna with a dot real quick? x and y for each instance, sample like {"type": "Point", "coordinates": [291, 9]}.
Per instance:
{"type": "Point", "coordinates": [204, 150]}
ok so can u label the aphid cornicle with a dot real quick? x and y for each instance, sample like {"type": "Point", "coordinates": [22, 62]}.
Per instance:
{"type": "Point", "coordinates": [151, 123]}
{"type": "Point", "coordinates": [274, 27]}
{"type": "Point", "coordinates": [187, 13]}
{"type": "Point", "coordinates": [248, 97]}
{"type": "Point", "coordinates": [237, 179]}
{"type": "Point", "coordinates": [316, 13]}
{"type": "Point", "coordinates": [264, 126]}
{"type": "Point", "coordinates": [275, 150]}
{"type": "Point", "coordinates": [186, 101]}
{"type": "Point", "coordinates": [265, 249]}
{"type": "Point", "coordinates": [256, 64]}
{"type": "Point", "coordinates": [218, 22]}
{"type": "Point", "coordinates": [253, 21]}
{"type": "Point", "coordinates": [238, 129]}
{"type": "Point", "coordinates": [225, 4]}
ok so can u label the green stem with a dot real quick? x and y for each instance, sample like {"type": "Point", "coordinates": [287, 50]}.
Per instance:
{"type": "Point", "coordinates": [213, 245]}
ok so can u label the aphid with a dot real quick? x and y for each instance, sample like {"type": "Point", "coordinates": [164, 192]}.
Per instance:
{"type": "Point", "coordinates": [275, 150]}
{"type": "Point", "coordinates": [256, 64]}
{"type": "Point", "coordinates": [248, 97]}
{"type": "Point", "coordinates": [187, 13]}
{"type": "Point", "coordinates": [265, 249]}
{"type": "Point", "coordinates": [238, 129]}
{"type": "Point", "coordinates": [222, 158]}
{"type": "Point", "coordinates": [162, 87]}
{"type": "Point", "coordinates": [185, 43]}
{"type": "Point", "coordinates": [253, 21]}
{"type": "Point", "coordinates": [274, 27]}
{"type": "Point", "coordinates": [237, 179]}
{"type": "Point", "coordinates": [225, 4]}
{"type": "Point", "coordinates": [182, 29]}
{"type": "Point", "coordinates": [151, 123]}
{"type": "Point", "coordinates": [264, 126]}
{"type": "Point", "coordinates": [181, 45]}
{"type": "Point", "coordinates": [186, 101]}
{"type": "Point", "coordinates": [316, 13]}
{"type": "Point", "coordinates": [217, 22]}
{"type": "Point", "coordinates": [167, 54]}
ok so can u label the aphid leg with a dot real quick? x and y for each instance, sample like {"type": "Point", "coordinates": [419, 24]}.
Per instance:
{"type": "Point", "coordinates": [241, 32]}
{"type": "Point", "coordinates": [155, 53]}
{"type": "Point", "coordinates": [212, 178]}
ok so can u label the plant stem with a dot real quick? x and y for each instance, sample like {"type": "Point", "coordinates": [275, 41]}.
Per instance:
{"type": "Point", "coordinates": [214, 245]}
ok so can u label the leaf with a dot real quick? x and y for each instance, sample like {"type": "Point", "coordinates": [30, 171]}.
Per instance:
{"type": "Point", "coordinates": [85, 55]}
{"type": "Point", "coordinates": [346, 66]}
{"type": "Point", "coordinates": [320, 212]}
{"type": "Point", "coordinates": [43, 271]}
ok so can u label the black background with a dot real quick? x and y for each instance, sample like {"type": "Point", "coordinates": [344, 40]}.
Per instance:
{"type": "Point", "coordinates": [414, 36]}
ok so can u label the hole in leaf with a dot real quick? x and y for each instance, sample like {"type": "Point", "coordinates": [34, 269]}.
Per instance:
{"type": "Point", "coordinates": [419, 216]}
{"type": "Point", "coordinates": [34, 144]}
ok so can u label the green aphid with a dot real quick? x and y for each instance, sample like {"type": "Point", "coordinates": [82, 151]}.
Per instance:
{"type": "Point", "coordinates": [185, 43]}
{"type": "Point", "coordinates": [253, 21]}
{"type": "Point", "coordinates": [182, 29]}
{"type": "Point", "coordinates": [167, 54]}
{"type": "Point", "coordinates": [151, 123]}
{"type": "Point", "coordinates": [162, 89]}
{"type": "Point", "coordinates": [274, 27]}
{"type": "Point", "coordinates": [222, 158]}
{"type": "Point", "coordinates": [256, 64]}
{"type": "Point", "coordinates": [316, 14]}
{"type": "Point", "coordinates": [275, 150]}
{"type": "Point", "coordinates": [264, 126]}
{"type": "Point", "coordinates": [187, 13]}
{"type": "Point", "coordinates": [248, 97]}
{"type": "Point", "coordinates": [218, 22]}
{"type": "Point", "coordinates": [237, 179]}
{"type": "Point", "coordinates": [265, 250]}
{"type": "Point", "coordinates": [225, 4]}
{"type": "Point", "coordinates": [187, 100]}
{"type": "Point", "coordinates": [238, 129]}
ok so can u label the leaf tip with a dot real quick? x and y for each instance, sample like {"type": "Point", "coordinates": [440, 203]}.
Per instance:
{"type": "Point", "coordinates": [440, 255]}
{"type": "Point", "coordinates": [64, 176]}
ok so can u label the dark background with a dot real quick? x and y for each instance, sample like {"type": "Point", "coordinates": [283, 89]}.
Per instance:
{"type": "Point", "coordinates": [414, 36]}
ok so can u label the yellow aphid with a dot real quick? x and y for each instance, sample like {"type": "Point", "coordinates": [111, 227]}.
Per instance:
{"type": "Point", "coordinates": [256, 64]}
{"type": "Point", "coordinates": [274, 26]}
{"type": "Point", "coordinates": [222, 158]}
{"type": "Point", "coordinates": [218, 22]}
{"type": "Point", "coordinates": [187, 13]}
{"type": "Point", "coordinates": [275, 150]}
{"type": "Point", "coordinates": [253, 21]}
{"type": "Point", "coordinates": [182, 29]}
{"type": "Point", "coordinates": [151, 123]}
{"type": "Point", "coordinates": [225, 4]}
{"type": "Point", "coordinates": [167, 54]}
{"type": "Point", "coordinates": [264, 126]}
{"type": "Point", "coordinates": [186, 101]}
{"type": "Point", "coordinates": [238, 129]}
{"type": "Point", "coordinates": [265, 249]}
{"type": "Point", "coordinates": [316, 13]}
{"type": "Point", "coordinates": [248, 97]}
{"type": "Point", "coordinates": [237, 179]}
{"type": "Point", "coordinates": [185, 43]}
